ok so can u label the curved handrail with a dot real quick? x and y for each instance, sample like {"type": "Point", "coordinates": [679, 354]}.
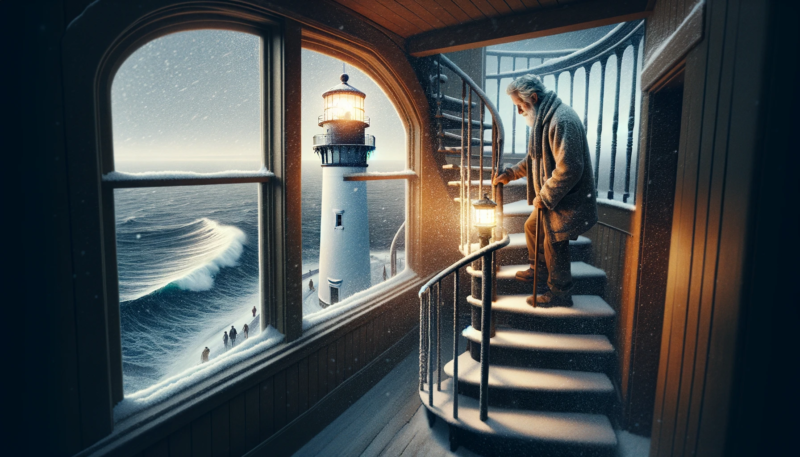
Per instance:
{"type": "Point", "coordinates": [487, 102]}
{"type": "Point", "coordinates": [620, 36]}
{"type": "Point", "coordinates": [465, 261]}
{"type": "Point", "coordinates": [531, 54]}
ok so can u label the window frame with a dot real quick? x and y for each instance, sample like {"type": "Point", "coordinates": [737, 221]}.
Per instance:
{"type": "Point", "coordinates": [95, 44]}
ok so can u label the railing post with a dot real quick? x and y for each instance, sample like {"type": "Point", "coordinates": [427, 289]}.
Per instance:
{"type": "Point", "coordinates": [486, 330]}
{"type": "Point", "coordinates": [421, 342]}
{"type": "Point", "coordinates": [428, 351]}
{"type": "Point", "coordinates": [462, 193]}
{"type": "Point", "coordinates": [614, 127]}
{"type": "Point", "coordinates": [599, 126]}
{"type": "Point", "coordinates": [456, 281]}
{"type": "Point", "coordinates": [586, 73]}
{"type": "Point", "coordinates": [439, 336]}
{"type": "Point", "coordinates": [469, 172]}
{"type": "Point", "coordinates": [631, 116]}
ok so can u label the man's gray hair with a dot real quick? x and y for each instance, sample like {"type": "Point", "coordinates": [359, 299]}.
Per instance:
{"type": "Point", "coordinates": [527, 85]}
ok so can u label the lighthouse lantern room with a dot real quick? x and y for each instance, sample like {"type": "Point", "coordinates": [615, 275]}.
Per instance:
{"type": "Point", "coordinates": [344, 266]}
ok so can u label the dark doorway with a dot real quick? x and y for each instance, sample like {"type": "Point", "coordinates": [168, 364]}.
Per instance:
{"type": "Point", "coordinates": [658, 199]}
{"type": "Point", "coordinates": [334, 295]}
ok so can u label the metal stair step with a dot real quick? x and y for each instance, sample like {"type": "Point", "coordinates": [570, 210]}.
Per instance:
{"type": "Point", "coordinates": [535, 388]}
{"type": "Point", "coordinates": [523, 432]}
{"type": "Point", "coordinates": [529, 348]}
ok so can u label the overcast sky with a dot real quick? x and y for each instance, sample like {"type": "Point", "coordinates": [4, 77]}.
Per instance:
{"type": "Point", "coordinates": [196, 96]}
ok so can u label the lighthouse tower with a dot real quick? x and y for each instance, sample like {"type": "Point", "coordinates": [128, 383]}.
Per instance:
{"type": "Point", "coordinates": [344, 267]}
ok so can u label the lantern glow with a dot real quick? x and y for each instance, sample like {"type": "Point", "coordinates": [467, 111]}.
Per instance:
{"type": "Point", "coordinates": [484, 212]}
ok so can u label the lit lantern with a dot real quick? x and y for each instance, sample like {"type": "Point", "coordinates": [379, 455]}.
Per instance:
{"type": "Point", "coordinates": [343, 103]}
{"type": "Point", "coordinates": [484, 215]}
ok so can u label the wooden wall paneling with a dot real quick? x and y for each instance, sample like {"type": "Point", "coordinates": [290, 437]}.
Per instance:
{"type": "Point", "coordinates": [426, 14]}
{"type": "Point", "coordinates": [322, 372]}
{"type": "Point", "coordinates": [201, 436]}
{"type": "Point", "coordinates": [371, 339]}
{"type": "Point", "coordinates": [266, 399]}
{"type": "Point", "coordinates": [467, 8]}
{"type": "Point", "coordinates": [382, 16]}
{"type": "Point", "coordinates": [341, 361]}
{"type": "Point", "coordinates": [332, 362]}
{"type": "Point", "coordinates": [220, 431]}
{"type": "Point", "coordinates": [500, 6]}
{"type": "Point", "coordinates": [450, 16]}
{"type": "Point", "coordinates": [348, 354]}
{"type": "Point", "coordinates": [292, 393]}
{"type": "Point", "coordinates": [238, 427]}
{"type": "Point", "coordinates": [252, 417]}
{"type": "Point", "coordinates": [279, 406]}
{"type": "Point", "coordinates": [160, 449]}
{"type": "Point", "coordinates": [302, 385]}
{"type": "Point", "coordinates": [405, 13]}
{"type": "Point", "coordinates": [180, 442]}
{"type": "Point", "coordinates": [313, 378]}
{"type": "Point", "coordinates": [362, 347]}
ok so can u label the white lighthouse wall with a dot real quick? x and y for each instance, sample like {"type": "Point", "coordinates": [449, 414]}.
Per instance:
{"type": "Point", "coordinates": [343, 252]}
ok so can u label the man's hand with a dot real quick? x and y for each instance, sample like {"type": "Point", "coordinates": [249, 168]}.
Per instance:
{"type": "Point", "coordinates": [502, 178]}
{"type": "Point", "coordinates": [537, 203]}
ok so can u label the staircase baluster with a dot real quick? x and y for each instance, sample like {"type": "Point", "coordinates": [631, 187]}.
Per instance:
{"type": "Point", "coordinates": [599, 126]}
{"type": "Point", "coordinates": [571, 86]}
{"type": "Point", "coordinates": [486, 329]}
{"type": "Point", "coordinates": [439, 336]}
{"type": "Point", "coordinates": [461, 189]}
{"type": "Point", "coordinates": [469, 174]}
{"type": "Point", "coordinates": [513, 116]}
{"type": "Point", "coordinates": [631, 116]}
{"type": "Point", "coordinates": [439, 103]}
{"type": "Point", "coordinates": [586, 71]}
{"type": "Point", "coordinates": [456, 281]}
{"type": "Point", "coordinates": [480, 148]}
{"type": "Point", "coordinates": [421, 342]}
{"type": "Point", "coordinates": [431, 316]}
{"type": "Point", "coordinates": [497, 104]}
{"type": "Point", "coordinates": [614, 126]}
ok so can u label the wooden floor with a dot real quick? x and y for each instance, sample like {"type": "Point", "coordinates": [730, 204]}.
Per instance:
{"type": "Point", "coordinates": [390, 421]}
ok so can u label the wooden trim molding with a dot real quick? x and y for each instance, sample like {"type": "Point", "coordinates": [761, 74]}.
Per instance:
{"type": "Point", "coordinates": [521, 26]}
{"type": "Point", "coordinates": [667, 59]}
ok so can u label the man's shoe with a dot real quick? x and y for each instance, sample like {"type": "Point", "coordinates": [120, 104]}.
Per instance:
{"type": "Point", "coordinates": [550, 300]}
{"type": "Point", "coordinates": [527, 276]}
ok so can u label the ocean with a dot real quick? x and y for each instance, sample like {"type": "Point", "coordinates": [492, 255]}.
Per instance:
{"type": "Point", "coordinates": [188, 263]}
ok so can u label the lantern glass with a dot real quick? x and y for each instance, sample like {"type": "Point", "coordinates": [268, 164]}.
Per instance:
{"type": "Point", "coordinates": [344, 106]}
{"type": "Point", "coordinates": [484, 216]}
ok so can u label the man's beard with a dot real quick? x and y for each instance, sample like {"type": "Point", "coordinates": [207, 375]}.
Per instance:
{"type": "Point", "coordinates": [528, 119]}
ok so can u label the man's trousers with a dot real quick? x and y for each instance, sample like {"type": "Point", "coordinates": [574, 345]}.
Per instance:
{"type": "Point", "coordinates": [554, 258]}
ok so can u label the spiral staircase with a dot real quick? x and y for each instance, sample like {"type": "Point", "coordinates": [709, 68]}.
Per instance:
{"type": "Point", "coordinates": [547, 386]}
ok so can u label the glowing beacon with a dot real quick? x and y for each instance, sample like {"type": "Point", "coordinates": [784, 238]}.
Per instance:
{"type": "Point", "coordinates": [344, 267]}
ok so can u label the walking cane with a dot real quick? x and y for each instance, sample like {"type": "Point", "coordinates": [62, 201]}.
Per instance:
{"type": "Point", "coordinates": [536, 255]}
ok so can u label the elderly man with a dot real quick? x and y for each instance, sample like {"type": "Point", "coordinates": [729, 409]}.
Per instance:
{"type": "Point", "coordinates": [559, 172]}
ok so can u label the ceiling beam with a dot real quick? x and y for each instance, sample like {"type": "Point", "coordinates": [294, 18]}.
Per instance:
{"type": "Point", "coordinates": [532, 24]}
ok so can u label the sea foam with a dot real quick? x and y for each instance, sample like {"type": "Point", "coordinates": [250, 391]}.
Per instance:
{"type": "Point", "coordinates": [186, 256]}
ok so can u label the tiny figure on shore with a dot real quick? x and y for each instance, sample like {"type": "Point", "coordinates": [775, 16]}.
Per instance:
{"type": "Point", "coordinates": [254, 311]}
{"type": "Point", "coordinates": [245, 330]}
{"type": "Point", "coordinates": [232, 334]}
{"type": "Point", "coordinates": [310, 284]}
{"type": "Point", "coordinates": [204, 355]}
{"type": "Point", "coordinates": [225, 339]}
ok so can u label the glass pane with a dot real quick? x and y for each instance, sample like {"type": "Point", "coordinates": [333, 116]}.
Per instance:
{"type": "Point", "coordinates": [348, 226]}
{"type": "Point", "coordinates": [190, 101]}
{"type": "Point", "coordinates": [188, 271]}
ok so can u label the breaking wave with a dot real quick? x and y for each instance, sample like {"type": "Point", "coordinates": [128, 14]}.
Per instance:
{"type": "Point", "coordinates": [186, 256]}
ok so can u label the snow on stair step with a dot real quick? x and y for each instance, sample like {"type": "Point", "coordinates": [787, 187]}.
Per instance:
{"type": "Point", "coordinates": [579, 270]}
{"type": "Point", "coordinates": [509, 338]}
{"type": "Point", "coordinates": [583, 307]}
{"type": "Point", "coordinates": [517, 208]}
{"type": "Point", "coordinates": [553, 428]}
{"type": "Point", "coordinates": [531, 379]}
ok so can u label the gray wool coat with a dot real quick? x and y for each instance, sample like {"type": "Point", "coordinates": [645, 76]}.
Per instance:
{"type": "Point", "coordinates": [561, 171]}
